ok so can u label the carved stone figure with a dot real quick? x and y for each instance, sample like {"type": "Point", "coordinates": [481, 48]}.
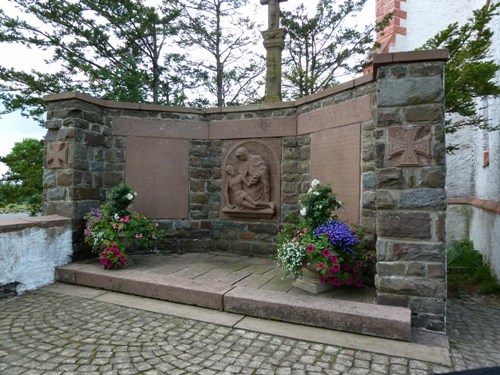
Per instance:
{"type": "Point", "coordinates": [235, 194]}
{"type": "Point", "coordinates": [256, 172]}
{"type": "Point", "coordinates": [251, 181]}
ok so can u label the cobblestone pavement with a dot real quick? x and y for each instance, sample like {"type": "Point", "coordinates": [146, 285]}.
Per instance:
{"type": "Point", "coordinates": [474, 332]}
{"type": "Point", "coordinates": [43, 332]}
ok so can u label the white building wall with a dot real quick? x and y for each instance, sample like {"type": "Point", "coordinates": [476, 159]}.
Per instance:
{"type": "Point", "coordinates": [466, 176]}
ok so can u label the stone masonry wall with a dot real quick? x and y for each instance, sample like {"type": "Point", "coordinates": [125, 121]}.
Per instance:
{"type": "Point", "coordinates": [406, 189]}
{"type": "Point", "coordinates": [394, 123]}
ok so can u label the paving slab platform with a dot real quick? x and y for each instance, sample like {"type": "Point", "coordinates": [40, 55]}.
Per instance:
{"type": "Point", "coordinates": [249, 286]}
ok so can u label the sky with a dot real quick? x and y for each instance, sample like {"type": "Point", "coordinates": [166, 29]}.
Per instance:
{"type": "Point", "coordinates": [14, 128]}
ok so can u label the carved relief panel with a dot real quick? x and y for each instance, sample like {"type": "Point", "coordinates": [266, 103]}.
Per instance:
{"type": "Point", "coordinates": [409, 147]}
{"type": "Point", "coordinates": [251, 179]}
{"type": "Point", "coordinates": [57, 155]}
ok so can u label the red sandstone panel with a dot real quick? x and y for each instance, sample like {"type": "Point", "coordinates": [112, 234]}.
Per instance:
{"type": "Point", "coordinates": [157, 169]}
{"type": "Point", "coordinates": [335, 159]}
{"type": "Point", "coordinates": [254, 128]}
{"type": "Point", "coordinates": [350, 112]}
{"type": "Point", "coordinates": [160, 128]}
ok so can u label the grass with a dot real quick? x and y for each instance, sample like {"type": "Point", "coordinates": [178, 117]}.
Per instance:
{"type": "Point", "coordinates": [13, 208]}
{"type": "Point", "coordinates": [467, 270]}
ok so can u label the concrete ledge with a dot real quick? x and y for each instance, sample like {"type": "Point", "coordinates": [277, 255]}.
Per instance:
{"type": "Point", "coordinates": [367, 319]}
{"type": "Point", "coordinates": [18, 224]}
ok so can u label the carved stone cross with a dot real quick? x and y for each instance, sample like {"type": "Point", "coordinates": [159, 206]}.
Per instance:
{"type": "Point", "coordinates": [273, 13]}
{"type": "Point", "coordinates": [57, 155]}
{"type": "Point", "coordinates": [409, 147]}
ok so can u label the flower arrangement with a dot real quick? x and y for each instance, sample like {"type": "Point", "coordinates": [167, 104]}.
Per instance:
{"type": "Point", "coordinates": [319, 241]}
{"type": "Point", "coordinates": [111, 228]}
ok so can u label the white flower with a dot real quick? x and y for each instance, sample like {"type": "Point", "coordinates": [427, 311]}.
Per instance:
{"type": "Point", "coordinates": [316, 193]}
{"type": "Point", "coordinates": [315, 183]}
{"type": "Point", "coordinates": [135, 194]}
{"type": "Point", "coordinates": [117, 217]}
{"type": "Point", "coordinates": [130, 196]}
{"type": "Point", "coordinates": [303, 211]}
{"type": "Point", "coordinates": [309, 191]}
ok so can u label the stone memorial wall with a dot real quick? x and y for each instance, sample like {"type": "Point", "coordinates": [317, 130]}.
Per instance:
{"type": "Point", "coordinates": [224, 179]}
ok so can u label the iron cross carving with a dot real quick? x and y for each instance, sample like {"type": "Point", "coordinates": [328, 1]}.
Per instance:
{"type": "Point", "coordinates": [409, 147]}
{"type": "Point", "coordinates": [57, 155]}
{"type": "Point", "coordinates": [273, 12]}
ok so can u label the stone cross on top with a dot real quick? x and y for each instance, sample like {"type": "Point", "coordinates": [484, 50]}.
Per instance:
{"type": "Point", "coordinates": [274, 12]}
{"type": "Point", "coordinates": [274, 41]}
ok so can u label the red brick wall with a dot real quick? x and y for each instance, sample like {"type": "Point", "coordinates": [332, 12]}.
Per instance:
{"type": "Point", "coordinates": [387, 37]}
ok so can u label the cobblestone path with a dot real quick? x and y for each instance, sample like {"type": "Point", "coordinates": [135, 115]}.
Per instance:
{"type": "Point", "coordinates": [43, 332]}
{"type": "Point", "coordinates": [474, 332]}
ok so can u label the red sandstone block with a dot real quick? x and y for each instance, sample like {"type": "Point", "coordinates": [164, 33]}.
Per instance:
{"type": "Point", "coordinates": [364, 318]}
{"type": "Point", "coordinates": [169, 288]}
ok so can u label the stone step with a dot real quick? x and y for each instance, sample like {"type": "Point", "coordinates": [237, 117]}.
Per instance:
{"type": "Point", "coordinates": [313, 310]}
{"type": "Point", "coordinates": [173, 288]}
{"type": "Point", "coordinates": [356, 317]}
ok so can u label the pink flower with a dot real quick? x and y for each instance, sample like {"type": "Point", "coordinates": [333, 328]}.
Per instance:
{"type": "Point", "coordinates": [310, 248]}
{"type": "Point", "coordinates": [320, 266]}
{"type": "Point", "coordinates": [138, 235]}
{"type": "Point", "coordinates": [336, 268]}
{"type": "Point", "coordinates": [359, 263]}
{"type": "Point", "coordinates": [348, 281]}
{"type": "Point", "coordinates": [125, 219]}
{"type": "Point", "coordinates": [334, 259]}
{"type": "Point", "coordinates": [336, 281]}
{"type": "Point", "coordinates": [294, 239]}
{"type": "Point", "coordinates": [322, 279]}
{"type": "Point", "coordinates": [345, 267]}
{"type": "Point", "coordinates": [358, 283]}
{"type": "Point", "coordinates": [114, 225]}
{"type": "Point", "coordinates": [120, 227]}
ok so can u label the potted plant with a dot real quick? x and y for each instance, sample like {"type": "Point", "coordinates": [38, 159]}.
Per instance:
{"type": "Point", "coordinates": [111, 229]}
{"type": "Point", "coordinates": [318, 245]}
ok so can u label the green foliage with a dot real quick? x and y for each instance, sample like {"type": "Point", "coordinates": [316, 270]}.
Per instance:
{"type": "Point", "coordinates": [225, 64]}
{"type": "Point", "coordinates": [470, 71]}
{"type": "Point", "coordinates": [111, 230]}
{"type": "Point", "coordinates": [22, 183]}
{"type": "Point", "coordinates": [110, 49]}
{"type": "Point", "coordinates": [320, 48]}
{"type": "Point", "coordinates": [467, 268]}
{"type": "Point", "coordinates": [120, 198]}
{"type": "Point", "coordinates": [319, 204]}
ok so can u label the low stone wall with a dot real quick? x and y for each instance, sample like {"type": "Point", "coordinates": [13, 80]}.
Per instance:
{"type": "Point", "coordinates": [30, 249]}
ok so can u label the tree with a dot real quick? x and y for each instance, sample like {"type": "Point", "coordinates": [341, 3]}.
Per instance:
{"type": "Point", "coordinates": [22, 183]}
{"type": "Point", "coordinates": [109, 49]}
{"type": "Point", "coordinates": [320, 48]}
{"type": "Point", "coordinates": [470, 71]}
{"type": "Point", "coordinates": [225, 63]}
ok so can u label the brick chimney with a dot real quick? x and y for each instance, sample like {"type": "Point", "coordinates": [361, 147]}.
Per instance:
{"type": "Point", "coordinates": [387, 37]}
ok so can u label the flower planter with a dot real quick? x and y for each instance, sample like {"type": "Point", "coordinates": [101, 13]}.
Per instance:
{"type": "Point", "coordinates": [309, 281]}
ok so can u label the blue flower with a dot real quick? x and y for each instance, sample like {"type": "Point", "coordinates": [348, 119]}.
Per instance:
{"type": "Point", "coordinates": [339, 235]}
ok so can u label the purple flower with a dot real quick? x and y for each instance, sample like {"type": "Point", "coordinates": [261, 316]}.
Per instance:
{"type": "Point", "coordinates": [339, 235]}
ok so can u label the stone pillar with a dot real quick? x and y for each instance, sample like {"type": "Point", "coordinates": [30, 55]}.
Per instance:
{"type": "Point", "coordinates": [409, 178]}
{"type": "Point", "coordinates": [274, 42]}
{"type": "Point", "coordinates": [82, 159]}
